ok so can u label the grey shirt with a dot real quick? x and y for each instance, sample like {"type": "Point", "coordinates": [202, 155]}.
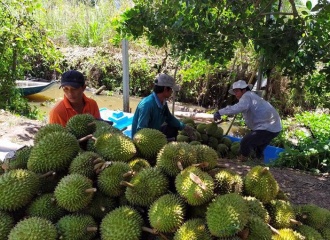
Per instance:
{"type": "Point", "coordinates": [257, 113]}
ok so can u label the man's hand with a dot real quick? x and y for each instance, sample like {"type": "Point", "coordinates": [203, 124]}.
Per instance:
{"type": "Point", "coordinates": [216, 116]}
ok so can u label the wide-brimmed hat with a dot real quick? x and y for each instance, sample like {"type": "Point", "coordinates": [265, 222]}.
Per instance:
{"type": "Point", "coordinates": [72, 78]}
{"type": "Point", "coordinates": [166, 81]}
{"type": "Point", "coordinates": [240, 84]}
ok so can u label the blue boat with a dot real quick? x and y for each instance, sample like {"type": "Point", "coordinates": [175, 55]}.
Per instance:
{"type": "Point", "coordinates": [29, 87]}
{"type": "Point", "coordinates": [123, 120]}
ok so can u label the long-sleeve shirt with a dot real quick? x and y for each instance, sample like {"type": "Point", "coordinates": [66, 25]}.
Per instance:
{"type": "Point", "coordinates": [151, 113]}
{"type": "Point", "coordinates": [257, 113]}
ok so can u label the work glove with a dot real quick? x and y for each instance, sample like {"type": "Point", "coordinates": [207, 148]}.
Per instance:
{"type": "Point", "coordinates": [190, 131]}
{"type": "Point", "coordinates": [216, 116]}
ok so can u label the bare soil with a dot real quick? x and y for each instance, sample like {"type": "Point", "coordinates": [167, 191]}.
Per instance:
{"type": "Point", "coordinates": [300, 187]}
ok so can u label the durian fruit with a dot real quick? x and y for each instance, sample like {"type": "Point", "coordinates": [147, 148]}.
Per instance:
{"type": "Point", "coordinates": [260, 183]}
{"type": "Point", "coordinates": [6, 224]}
{"type": "Point", "coordinates": [167, 213]}
{"type": "Point", "coordinates": [85, 163]}
{"type": "Point", "coordinates": [309, 232]}
{"type": "Point", "coordinates": [146, 186]}
{"type": "Point", "coordinates": [81, 125]}
{"type": "Point", "coordinates": [45, 206]}
{"type": "Point", "coordinates": [228, 181]}
{"type": "Point", "coordinates": [137, 164]}
{"type": "Point", "coordinates": [182, 138]}
{"type": "Point", "coordinates": [325, 232]}
{"type": "Point", "coordinates": [20, 159]}
{"type": "Point", "coordinates": [74, 192]}
{"type": "Point", "coordinates": [281, 214]}
{"type": "Point", "coordinates": [312, 215]}
{"type": "Point", "coordinates": [123, 223]}
{"type": "Point", "coordinates": [100, 206]}
{"type": "Point", "coordinates": [48, 129]}
{"type": "Point", "coordinates": [222, 149]}
{"type": "Point", "coordinates": [287, 234]}
{"type": "Point", "coordinates": [149, 141]}
{"type": "Point", "coordinates": [193, 229]}
{"type": "Point", "coordinates": [211, 129]}
{"type": "Point", "coordinates": [195, 186]}
{"type": "Point", "coordinates": [227, 215]}
{"type": "Point", "coordinates": [109, 179]}
{"type": "Point", "coordinates": [76, 227]}
{"type": "Point", "coordinates": [257, 209]}
{"type": "Point", "coordinates": [258, 229]}
{"type": "Point", "coordinates": [213, 142]}
{"type": "Point", "coordinates": [206, 155]}
{"type": "Point", "coordinates": [226, 141]}
{"type": "Point", "coordinates": [195, 143]}
{"type": "Point", "coordinates": [54, 152]}
{"type": "Point", "coordinates": [33, 228]}
{"type": "Point", "coordinates": [17, 188]}
{"type": "Point", "coordinates": [234, 149]}
{"type": "Point", "coordinates": [201, 128]}
{"type": "Point", "coordinates": [204, 138]}
{"type": "Point", "coordinates": [115, 147]}
{"type": "Point", "coordinates": [189, 121]}
{"type": "Point", "coordinates": [175, 156]}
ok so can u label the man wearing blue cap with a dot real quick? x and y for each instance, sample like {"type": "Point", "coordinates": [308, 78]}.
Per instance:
{"type": "Point", "coordinates": [75, 101]}
{"type": "Point", "coordinates": [259, 115]}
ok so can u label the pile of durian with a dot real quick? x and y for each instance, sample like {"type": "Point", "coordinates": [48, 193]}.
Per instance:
{"type": "Point", "coordinates": [90, 181]}
{"type": "Point", "coordinates": [209, 134]}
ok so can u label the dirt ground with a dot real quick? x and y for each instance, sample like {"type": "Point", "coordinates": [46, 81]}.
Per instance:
{"type": "Point", "coordinates": [300, 187]}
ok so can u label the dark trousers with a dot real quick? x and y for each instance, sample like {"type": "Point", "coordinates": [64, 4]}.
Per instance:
{"type": "Point", "coordinates": [169, 131]}
{"type": "Point", "coordinates": [256, 142]}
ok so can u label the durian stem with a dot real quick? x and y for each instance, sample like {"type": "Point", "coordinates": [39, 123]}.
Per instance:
{"type": "Point", "coordinates": [294, 221]}
{"type": "Point", "coordinates": [265, 169]}
{"type": "Point", "coordinates": [90, 136]}
{"type": "Point", "coordinates": [98, 160]}
{"type": "Point", "coordinates": [197, 180]}
{"type": "Point", "coordinates": [128, 174]}
{"type": "Point", "coordinates": [48, 174]}
{"type": "Point", "coordinates": [274, 230]}
{"type": "Point", "coordinates": [221, 165]}
{"type": "Point", "coordinates": [127, 184]}
{"type": "Point", "coordinates": [98, 166]}
{"type": "Point", "coordinates": [91, 229]}
{"type": "Point", "coordinates": [179, 164]}
{"type": "Point", "coordinates": [91, 124]}
{"type": "Point", "coordinates": [150, 230]}
{"type": "Point", "coordinates": [202, 165]}
{"type": "Point", "coordinates": [90, 190]}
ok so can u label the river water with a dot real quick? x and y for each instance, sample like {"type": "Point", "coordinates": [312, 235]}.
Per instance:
{"type": "Point", "coordinates": [45, 100]}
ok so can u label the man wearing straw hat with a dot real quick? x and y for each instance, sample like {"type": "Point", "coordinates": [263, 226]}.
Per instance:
{"type": "Point", "coordinates": [259, 115]}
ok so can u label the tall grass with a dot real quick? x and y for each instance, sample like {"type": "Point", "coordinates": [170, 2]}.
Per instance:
{"type": "Point", "coordinates": [81, 22]}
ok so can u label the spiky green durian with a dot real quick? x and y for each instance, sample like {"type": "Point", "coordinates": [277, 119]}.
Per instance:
{"type": "Point", "coordinates": [115, 147]}
{"type": "Point", "coordinates": [281, 214]}
{"type": "Point", "coordinates": [194, 185]}
{"type": "Point", "coordinates": [226, 141]}
{"type": "Point", "coordinates": [309, 233]}
{"type": "Point", "coordinates": [76, 227]}
{"type": "Point", "coordinates": [182, 138]}
{"type": "Point", "coordinates": [146, 186]}
{"type": "Point", "coordinates": [81, 125]}
{"type": "Point", "coordinates": [74, 192]}
{"type": "Point", "coordinates": [201, 128]}
{"type": "Point", "coordinates": [208, 155]}
{"type": "Point", "coordinates": [312, 215]}
{"type": "Point", "coordinates": [45, 206]}
{"type": "Point", "coordinates": [149, 141]}
{"type": "Point", "coordinates": [195, 143]}
{"type": "Point", "coordinates": [188, 120]}
{"type": "Point", "coordinates": [6, 224]}
{"type": "Point", "coordinates": [33, 228]}
{"type": "Point", "coordinates": [235, 149]}
{"type": "Point", "coordinates": [260, 183]}
{"type": "Point", "coordinates": [204, 138]}
{"type": "Point", "coordinates": [167, 213]}
{"type": "Point", "coordinates": [175, 154]}
{"type": "Point", "coordinates": [227, 215]}
{"type": "Point", "coordinates": [228, 181]}
{"type": "Point", "coordinates": [17, 188]}
{"type": "Point", "coordinates": [222, 149]}
{"type": "Point", "coordinates": [122, 223]}
{"type": "Point", "coordinates": [109, 179]}
{"type": "Point", "coordinates": [258, 229]}
{"type": "Point", "coordinates": [193, 229]}
{"type": "Point", "coordinates": [213, 142]}
{"type": "Point", "coordinates": [100, 206]}
{"type": "Point", "coordinates": [84, 164]}
{"type": "Point", "coordinates": [211, 129]}
{"type": "Point", "coordinates": [20, 159]}
{"type": "Point", "coordinates": [54, 152]}
{"type": "Point", "coordinates": [257, 209]}
{"type": "Point", "coordinates": [287, 234]}
{"type": "Point", "coordinates": [48, 129]}
{"type": "Point", "coordinates": [137, 164]}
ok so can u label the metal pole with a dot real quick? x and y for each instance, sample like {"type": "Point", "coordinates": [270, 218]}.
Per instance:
{"type": "Point", "coordinates": [125, 75]}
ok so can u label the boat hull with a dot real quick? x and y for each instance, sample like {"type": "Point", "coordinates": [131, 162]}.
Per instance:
{"type": "Point", "coordinates": [32, 87]}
